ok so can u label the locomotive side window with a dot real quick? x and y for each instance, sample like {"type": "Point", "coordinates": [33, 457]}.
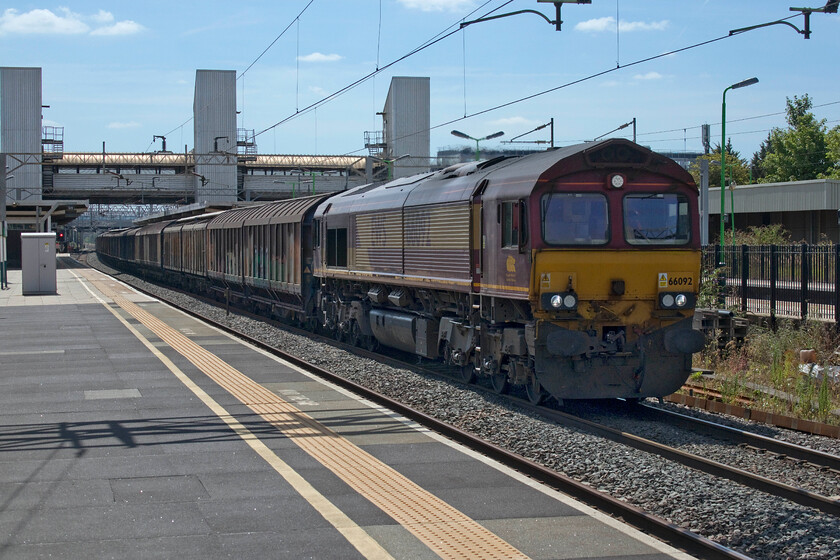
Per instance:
{"type": "Point", "coordinates": [656, 219]}
{"type": "Point", "coordinates": [510, 224]}
{"type": "Point", "coordinates": [337, 247]}
{"type": "Point", "coordinates": [575, 219]}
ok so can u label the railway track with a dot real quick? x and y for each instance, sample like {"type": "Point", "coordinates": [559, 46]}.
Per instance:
{"type": "Point", "coordinates": [651, 524]}
{"type": "Point", "coordinates": [795, 494]}
{"type": "Point", "coordinates": [664, 529]}
{"type": "Point", "coordinates": [752, 440]}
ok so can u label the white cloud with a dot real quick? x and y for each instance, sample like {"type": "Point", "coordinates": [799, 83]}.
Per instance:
{"type": "Point", "coordinates": [63, 22]}
{"type": "Point", "coordinates": [608, 24]}
{"type": "Point", "coordinates": [126, 27]}
{"type": "Point", "coordinates": [319, 57]}
{"type": "Point", "coordinates": [119, 125]}
{"type": "Point", "coordinates": [103, 17]}
{"type": "Point", "coordinates": [41, 22]}
{"type": "Point", "coordinates": [643, 25]}
{"type": "Point", "coordinates": [318, 90]}
{"type": "Point", "coordinates": [595, 25]}
{"type": "Point", "coordinates": [648, 76]}
{"type": "Point", "coordinates": [438, 5]}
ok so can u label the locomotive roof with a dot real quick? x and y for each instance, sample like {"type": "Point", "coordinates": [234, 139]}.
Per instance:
{"type": "Point", "coordinates": [617, 154]}
{"type": "Point", "coordinates": [460, 182]}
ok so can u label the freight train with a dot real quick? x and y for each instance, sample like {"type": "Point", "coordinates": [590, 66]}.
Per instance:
{"type": "Point", "coordinates": [572, 272]}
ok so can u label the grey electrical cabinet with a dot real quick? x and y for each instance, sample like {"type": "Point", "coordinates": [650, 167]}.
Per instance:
{"type": "Point", "coordinates": [37, 256]}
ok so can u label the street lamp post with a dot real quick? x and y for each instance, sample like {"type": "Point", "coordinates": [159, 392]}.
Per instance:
{"type": "Point", "coordinates": [460, 134]}
{"type": "Point", "coordinates": [389, 162]}
{"type": "Point", "coordinates": [745, 83]}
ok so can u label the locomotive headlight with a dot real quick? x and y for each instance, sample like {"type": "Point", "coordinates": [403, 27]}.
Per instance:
{"type": "Point", "coordinates": [564, 301]}
{"type": "Point", "coordinates": [617, 181]}
{"type": "Point", "coordinates": [676, 300]}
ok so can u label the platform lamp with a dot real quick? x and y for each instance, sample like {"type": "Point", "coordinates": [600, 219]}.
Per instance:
{"type": "Point", "coordinates": [460, 134]}
{"type": "Point", "coordinates": [745, 83]}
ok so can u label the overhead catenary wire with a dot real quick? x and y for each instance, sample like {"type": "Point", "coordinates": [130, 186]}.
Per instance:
{"type": "Point", "coordinates": [276, 38]}
{"type": "Point", "coordinates": [436, 39]}
{"type": "Point", "coordinates": [698, 126]}
{"type": "Point", "coordinates": [556, 88]}
{"type": "Point", "coordinates": [571, 83]}
{"type": "Point", "coordinates": [242, 74]}
{"type": "Point", "coordinates": [765, 115]}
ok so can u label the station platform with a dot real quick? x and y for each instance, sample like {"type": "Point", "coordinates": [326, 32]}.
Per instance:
{"type": "Point", "coordinates": [131, 430]}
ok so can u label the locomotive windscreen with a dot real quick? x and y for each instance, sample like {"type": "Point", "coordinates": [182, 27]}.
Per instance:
{"type": "Point", "coordinates": [656, 219]}
{"type": "Point", "coordinates": [575, 219]}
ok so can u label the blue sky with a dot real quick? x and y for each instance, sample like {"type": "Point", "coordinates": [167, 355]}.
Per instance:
{"type": "Point", "coordinates": [121, 72]}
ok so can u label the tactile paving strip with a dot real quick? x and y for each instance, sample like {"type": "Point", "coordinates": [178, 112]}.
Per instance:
{"type": "Point", "coordinates": [444, 529]}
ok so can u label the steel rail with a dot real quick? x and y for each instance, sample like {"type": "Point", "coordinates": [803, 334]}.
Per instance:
{"type": "Point", "coordinates": [792, 493]}
{"type": "Point", "coordinates": [708, 427]}
{"type": "Point", "coordinates": [651, 524]}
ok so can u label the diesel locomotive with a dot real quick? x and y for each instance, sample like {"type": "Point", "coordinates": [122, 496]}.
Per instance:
{"type": "Point", "coordinates": [572, 273]}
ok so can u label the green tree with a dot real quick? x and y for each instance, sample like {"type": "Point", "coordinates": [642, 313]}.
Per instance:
{"type": "Point", "coordinates": [736, 167]}
{"type": "Point", "coordinates": [798, 153]}
{"type": "Point", "coordinates": [757, 161]}
{"type": "Point", "coordinates": [832, 140]}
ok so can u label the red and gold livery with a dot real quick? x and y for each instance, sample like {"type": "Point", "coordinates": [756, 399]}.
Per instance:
{"type": "Point", "coordinates": [572, 272]}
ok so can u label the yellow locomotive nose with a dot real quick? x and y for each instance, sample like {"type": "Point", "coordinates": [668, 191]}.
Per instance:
{"type": "Point", "coordinates": [627, 286]}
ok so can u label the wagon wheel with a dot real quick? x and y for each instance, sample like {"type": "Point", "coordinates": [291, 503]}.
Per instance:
{"type": "Point", "coordinates": [340, 334]}
{"type": "Point", "coordinates": [534, 390]}
{"type": "Point", "coordinates": [499, 378]}
{"type": "Point", "coordinates": [499, 382]}
{"type": "Point", "coordinates": [466, 373]}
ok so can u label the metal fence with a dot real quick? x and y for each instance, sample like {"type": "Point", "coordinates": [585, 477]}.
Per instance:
{"type": "Point", "coordinates": [791, 281]}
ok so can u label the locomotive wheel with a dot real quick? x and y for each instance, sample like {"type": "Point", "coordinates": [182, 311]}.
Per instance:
{"type": "Point", "coordinates": [499, 382]}
{"type": "Point", "coordinates": [356, 337]}
{"type": "Point", "coordinates": [371, 344]}
{"type": "Point", "coordinates": [534, 390]}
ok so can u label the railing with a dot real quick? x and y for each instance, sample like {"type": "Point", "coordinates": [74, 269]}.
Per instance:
{"type": "Point", "coordinates": [791, 281]}
{"type": "Point", "coordinates": [52, 142]}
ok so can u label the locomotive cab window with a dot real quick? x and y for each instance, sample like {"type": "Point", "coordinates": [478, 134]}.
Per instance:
{"type": "Point", "coordinates": [656, 219]}
{"type": "Point", "coordinates": [337, 247]}
{"type": "Point", "coordinates": [575, 219]}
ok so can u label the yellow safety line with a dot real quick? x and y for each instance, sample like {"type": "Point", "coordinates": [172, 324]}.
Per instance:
{"type": "Point", "coordinates": [444, 529]}
{"type": "Point", "coordinates": [354, 534]}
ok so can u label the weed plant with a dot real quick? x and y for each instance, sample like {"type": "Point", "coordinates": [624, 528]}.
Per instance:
{"type": "Point", "coordinates": [766, 368]}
